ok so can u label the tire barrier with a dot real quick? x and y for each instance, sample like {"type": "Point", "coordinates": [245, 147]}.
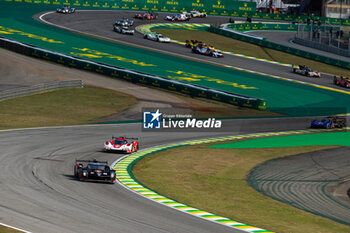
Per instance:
{"type": "Point", "coordinates": [279, 47]}
{"type": "Point", "coordinates": [55, 85]}
{"type": "Point", "coordinates": [134, 76]}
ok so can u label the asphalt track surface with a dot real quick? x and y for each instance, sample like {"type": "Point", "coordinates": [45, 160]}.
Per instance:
{"type": "Point", "coordinates": [308, 181]}
{"type": "Point", "coordinates": [100, 23]}
{"type": "Point", "coordinates": [285, 38]}
{"type": "Point", "coordinates": [39, 194]}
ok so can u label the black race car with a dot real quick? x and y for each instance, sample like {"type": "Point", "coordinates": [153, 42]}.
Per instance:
{"type": "Point", "coordinates": [94, 170]}
{"type": "Point", "coordinates": [123, 30]}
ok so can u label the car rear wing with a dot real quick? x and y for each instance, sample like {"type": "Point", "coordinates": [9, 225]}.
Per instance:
{"type": "Point", "coordinates": [90, 161]}
{"type": "Point", "coordinates": [113, 137]}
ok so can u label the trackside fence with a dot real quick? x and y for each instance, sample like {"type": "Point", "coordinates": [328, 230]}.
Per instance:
{"type": "Point", "coordinates": [55, 85]}
{"type": "Point", "coordinates": [134, 76]}
{"type": "Point", "coordinates": [260, 42]}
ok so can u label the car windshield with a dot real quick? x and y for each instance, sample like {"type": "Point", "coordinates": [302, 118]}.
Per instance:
{"type": "Point", "coordinates": [96, 167]}
{"type": "Point", "coordinates": [119, 142]}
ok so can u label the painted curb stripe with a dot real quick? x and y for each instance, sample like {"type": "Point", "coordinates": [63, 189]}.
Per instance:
{"type": "Point", "coordinates": [125, 177]}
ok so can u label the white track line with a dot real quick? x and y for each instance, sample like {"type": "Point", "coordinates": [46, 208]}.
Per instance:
{"type": "Point", "coordinates": [15, 228]}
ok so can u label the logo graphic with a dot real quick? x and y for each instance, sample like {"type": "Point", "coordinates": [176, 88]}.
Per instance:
{"type": "Point", "coordinates": [151, 120]}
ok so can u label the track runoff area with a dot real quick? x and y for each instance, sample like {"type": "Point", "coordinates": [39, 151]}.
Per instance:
{"type": "Point", "coordinates": [300, 100]}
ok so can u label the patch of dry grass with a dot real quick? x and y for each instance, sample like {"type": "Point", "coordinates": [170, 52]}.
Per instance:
{"type": "Point", "coordinates": [63, 107]}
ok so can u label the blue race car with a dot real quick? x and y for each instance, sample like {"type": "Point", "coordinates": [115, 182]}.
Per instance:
{"type": "Point", "coordinates": [124, 23]}
{"type": "Point", "coordinates": [65, 10]}
{"type": "Point", "coordinates": [329, 122]}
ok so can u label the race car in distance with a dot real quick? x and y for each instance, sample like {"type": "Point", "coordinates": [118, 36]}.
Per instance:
{"type": "Point", "coordinates": [191, 43]}
{"type": "Point", "coordinates": [65, 10]}
{"type": "Point", "coordinates": [156, 37]}
{"type": "Point", "coordinates": [329, 122]}
{"type": "Point", "coordinates": [85, 170]}
{"type": "Point", "coordinates": [124, 22]}
{"type": "Point", "coordinates": [123, 30]}
{"type": "Point", "coordinates": [178, 17]}
{"type": "Point", "coordinates": [146, 15]}
{"type": "Point", "coordinates": [206, 50]}
{"type": "Point", "coordinates": [303, 70]}
{"type": "Point", "coordinates": [342, 81]}
{"type": "Point", "coordinates": [121, 144]}
{"type": "Point", "coordinates": [197, 14]}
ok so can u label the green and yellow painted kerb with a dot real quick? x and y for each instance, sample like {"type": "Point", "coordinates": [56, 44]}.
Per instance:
{"type": "Point", "coordinates": [125, 177]}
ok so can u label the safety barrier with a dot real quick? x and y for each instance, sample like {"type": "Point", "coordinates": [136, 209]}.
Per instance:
{"type": "Point", "coordinates": [323, 47]}
{"type": "Point", "coordinates": [30, 90]}
{"type": "Point", "coordinates": [231, 8]}
{"type": "Point", "coordinates": [134, 76]}
{"type": "Point", "coordinates": [279, 47]}
{"type": "Point", "coordinates": [296, 18]}
{"type": "Point", "coordinates": [274, 26]}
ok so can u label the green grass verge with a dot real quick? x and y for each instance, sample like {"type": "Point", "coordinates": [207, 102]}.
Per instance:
{"type": "Point", "coordinates": [63, 107]}
{"type": "Point", "coordinates": [214, 180]}
{"type": "Point", "coordinates": [237, 46]}
{"type": "Point", "coordinates": [320, 139]}
{"type": "Point", "coordinates": [8, 230]}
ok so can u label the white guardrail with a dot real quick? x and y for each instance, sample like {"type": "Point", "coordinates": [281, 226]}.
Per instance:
{"type": "Point", "coordinates": [30, 90]}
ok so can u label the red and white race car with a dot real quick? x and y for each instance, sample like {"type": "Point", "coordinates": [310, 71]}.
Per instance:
{"type": "Point", "coordinates": [146, 15]}
{"type": "Point", "coordinates": [306, 71]}
{"type": "Point", "coordinates": [121, 144]}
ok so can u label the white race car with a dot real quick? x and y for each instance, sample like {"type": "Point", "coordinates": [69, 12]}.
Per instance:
{"type": "Point", "coordinates": [206, 50]}
{"type": "Point", "coordinates": [178, 17]}
{"type": "Point", "coordinates": [306, 71]}
{"type": "Point", "coordinates": [121, 144]}
{"type": "Point", "coordinates": [156, 37]}
{"type": "Point", "coordinates": [198, 14]}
